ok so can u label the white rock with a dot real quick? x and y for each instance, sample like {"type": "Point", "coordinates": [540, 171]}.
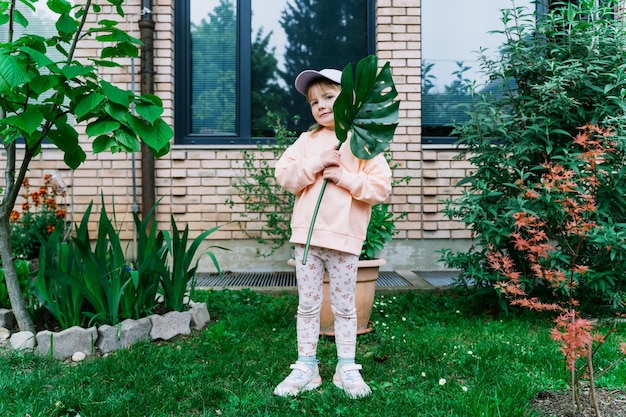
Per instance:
{"type": "Point", "coordinates": [78, 356]}
{"type": "Point", "coordinates": [23, 340]}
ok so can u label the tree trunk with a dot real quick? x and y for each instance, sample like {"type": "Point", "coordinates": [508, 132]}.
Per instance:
{"type": "Point", "coordinates": [24, 321]}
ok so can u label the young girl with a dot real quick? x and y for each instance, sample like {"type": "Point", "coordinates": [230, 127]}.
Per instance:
{"type": "Point", "coordinates": [354, 185]}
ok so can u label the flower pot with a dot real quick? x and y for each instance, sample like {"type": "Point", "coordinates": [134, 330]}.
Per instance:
{"type": "Point", "coordinates": [367, 275]}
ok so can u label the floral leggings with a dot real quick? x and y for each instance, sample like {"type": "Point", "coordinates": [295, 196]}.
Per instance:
{"type": "Point", "coordinates": [342, 270]}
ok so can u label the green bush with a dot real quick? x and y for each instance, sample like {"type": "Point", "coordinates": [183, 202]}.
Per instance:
{"type": "Point", "coordinates": [555, 74]}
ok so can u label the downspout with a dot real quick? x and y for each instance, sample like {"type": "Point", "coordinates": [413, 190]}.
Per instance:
{"type": "Point", "coordinates": [146, 28]}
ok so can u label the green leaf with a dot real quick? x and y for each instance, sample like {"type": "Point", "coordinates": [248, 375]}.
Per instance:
{"type": "Point", "coordinates": [117, 95]}
{"type": "Point", "coordinates": [12, 73]}
{"type": "Point", "coordinates": [66, 139]}
{"type": "Point", "coordinates": [59, 6]}
{"type": "Point", "coordinates": [19, 18]}
{"type": "Point", "coordinates": [40, 58]}
{"type": "Point", "coordinates": [366, 108]}
{"type": "Point", "coordinates": [73, 71]}
{"type": "Point", "coordinates": [156, 136]}
{"type": "Point", "coordinates": [87, 104]}
{"type": "Point", "coordinates": [28, 121]}
{"type": "Point", "coordinates": [149, 111]}
{"type": "Point", "coordinates": [43, 83]}
{"type": "Point", "coordinates": [66, 25]}
{"type": "Point", "coordinates": [104, 63]}
{"type": "Point", "coordinates": [124, 49]}
{"type": "Point", "coordinates": [127, 140]}
{"type": "Point", "coordinates": [102, 143]}
{"type": "Point", "coordinates": [101, 127]}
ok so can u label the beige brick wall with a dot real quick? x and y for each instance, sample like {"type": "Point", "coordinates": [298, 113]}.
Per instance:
{"type": "Point", "coordinates": [194, 182]}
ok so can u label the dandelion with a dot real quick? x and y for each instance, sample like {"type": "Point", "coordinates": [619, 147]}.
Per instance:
{"type": "Point", "coordinates": [442, 382]}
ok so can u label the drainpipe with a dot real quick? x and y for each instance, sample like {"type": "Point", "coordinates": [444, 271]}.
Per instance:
{"type": "Point", "coordinates": [146, 28]}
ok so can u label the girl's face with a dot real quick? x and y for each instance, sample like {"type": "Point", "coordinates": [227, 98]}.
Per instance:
{"type": "Point", "coordinates": [321, 98]}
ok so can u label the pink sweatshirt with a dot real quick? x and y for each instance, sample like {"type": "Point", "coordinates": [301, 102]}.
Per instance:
{"type": "Point", "coordinates": [346, 207]}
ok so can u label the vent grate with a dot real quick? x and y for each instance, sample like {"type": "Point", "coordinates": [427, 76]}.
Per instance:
{"type": "Point", "coordinates": [438, 278]}
{"type": "Point", "coordinates": [278, 279]}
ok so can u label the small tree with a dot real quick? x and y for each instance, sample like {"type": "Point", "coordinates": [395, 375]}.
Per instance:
{"type": "Point", "coordinates": [38, 94]}
{"type": "Point", "coordinates": [559, 254]}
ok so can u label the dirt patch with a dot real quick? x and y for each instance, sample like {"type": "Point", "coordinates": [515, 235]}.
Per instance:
{"type": "Point", "coordinates": [559, 404]}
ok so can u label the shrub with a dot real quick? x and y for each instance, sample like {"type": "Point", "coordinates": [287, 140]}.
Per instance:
{"type": "Point", "coordinates": [563, 255]}
{"type": "Point", "coordinates": [555, 74]}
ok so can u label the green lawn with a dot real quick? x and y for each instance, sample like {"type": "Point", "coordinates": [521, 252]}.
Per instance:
{"type": "Point", "coordinates": [491, 366]}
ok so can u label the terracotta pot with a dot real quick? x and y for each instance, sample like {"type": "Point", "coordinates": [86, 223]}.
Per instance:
{"type": "Point", "coordinates": [364, 297]}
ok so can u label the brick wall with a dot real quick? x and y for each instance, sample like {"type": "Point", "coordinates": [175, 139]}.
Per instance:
{"type": "Point", "coordinates": [194, 182]}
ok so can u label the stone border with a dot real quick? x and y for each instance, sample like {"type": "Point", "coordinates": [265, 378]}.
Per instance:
{"type": "Point", "coordinates": [77, 343]}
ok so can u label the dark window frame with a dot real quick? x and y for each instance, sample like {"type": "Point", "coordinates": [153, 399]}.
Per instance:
{"type": "Point", "coordinates": [182, 79]}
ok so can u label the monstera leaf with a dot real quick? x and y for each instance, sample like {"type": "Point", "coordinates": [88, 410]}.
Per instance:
{"type": "Point", "coordinates": [366, 108]}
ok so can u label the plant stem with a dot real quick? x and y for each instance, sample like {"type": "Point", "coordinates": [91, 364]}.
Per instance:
{"type": "Point", "coordinates": [592, 384]}
{"type": "Point", "coordinates": [308, 238]}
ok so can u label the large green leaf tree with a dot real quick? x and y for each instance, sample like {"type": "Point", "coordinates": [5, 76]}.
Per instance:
{"type": "Point", "coordinates": [39, 95]}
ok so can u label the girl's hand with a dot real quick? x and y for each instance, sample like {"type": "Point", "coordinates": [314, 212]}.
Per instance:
{"type": "Point", "coordinates": [330, 158]}
{"type": "Point", "coordinates": [332, 173]}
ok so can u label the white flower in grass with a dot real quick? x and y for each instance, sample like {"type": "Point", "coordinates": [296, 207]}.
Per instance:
{"type": "Point", "coordinates": [442, 382]}
{"type": "Point", "coordinates": [403, 318]}
{"type": "Point", "coordinates": [423, 374]}
{"type": "Point", "coordinates": [469, 352]}
{"type": "Point", "coordinates": [464, 388]}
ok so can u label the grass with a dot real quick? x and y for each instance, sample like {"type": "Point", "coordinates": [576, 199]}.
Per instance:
{"type": "Point", "coordinates": [491, 366]}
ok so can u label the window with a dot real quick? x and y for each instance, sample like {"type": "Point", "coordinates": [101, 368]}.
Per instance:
{"type": "Point", "coordinates": [450, 47]}
{"type": "Point", "coordinates": [237, 59]}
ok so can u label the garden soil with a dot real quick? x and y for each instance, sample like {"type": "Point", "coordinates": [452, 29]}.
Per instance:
{"type": "Point", "coordinates": [559, 404]}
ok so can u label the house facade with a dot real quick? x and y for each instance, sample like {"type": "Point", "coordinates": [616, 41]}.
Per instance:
{"type": "Point", "coordinates": [195, 180]}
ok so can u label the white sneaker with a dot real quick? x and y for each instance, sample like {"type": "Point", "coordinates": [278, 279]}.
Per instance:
{"type": "Point", "coordinates": [302, 378]}
{"type": "Point", "coordinates": [349, 379]}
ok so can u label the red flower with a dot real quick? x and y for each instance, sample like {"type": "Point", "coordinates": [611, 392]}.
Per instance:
{"type": "Point", "coordinates": [15, 216]}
